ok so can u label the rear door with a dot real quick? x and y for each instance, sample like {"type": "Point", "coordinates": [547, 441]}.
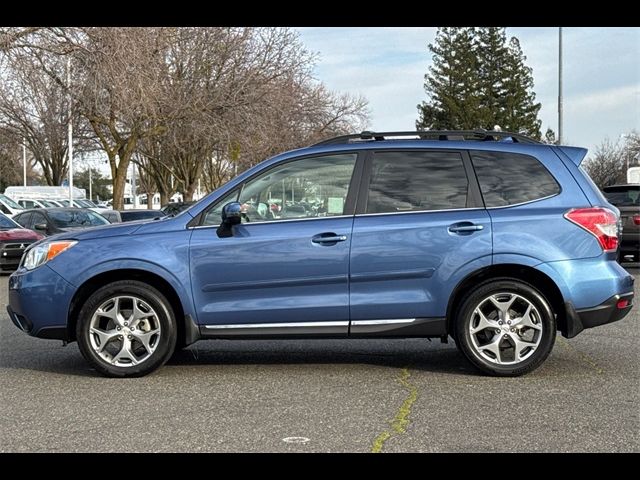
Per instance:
{"type": "Point", "coordinates": [420, 226]}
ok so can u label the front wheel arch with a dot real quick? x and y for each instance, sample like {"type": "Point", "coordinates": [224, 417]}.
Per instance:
{"type": "Point", "coordinates": [185, 325]}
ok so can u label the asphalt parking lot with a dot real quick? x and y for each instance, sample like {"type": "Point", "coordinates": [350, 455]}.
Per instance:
{"type": "Point", "coordinates": [323, 396]}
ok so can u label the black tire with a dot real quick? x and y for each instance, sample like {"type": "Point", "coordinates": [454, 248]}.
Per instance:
{"type": "Point", "coordinates": [165, 343]}
{"type": "Point", "coordinates": [465, 315]}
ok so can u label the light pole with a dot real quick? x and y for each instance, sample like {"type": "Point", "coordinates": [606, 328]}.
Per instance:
{"type": "Point", "coordinates": [70, 135]}
{"type": "Point", "coordinates": [560, 86]}
{"type": "Point", "coordinates": [24, 161]}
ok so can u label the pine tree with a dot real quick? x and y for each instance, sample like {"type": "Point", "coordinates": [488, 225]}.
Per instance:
{"type": "Point", "coordinates": [550, 136]}
{"type": "Point", "coordinates": [478, 80]}
{"type": "Point", "coordinates": [518, 108]}
{"type": "Point", "coordinates": [491, 52]}
{"type": "Point", "coordinates": [450, 82]}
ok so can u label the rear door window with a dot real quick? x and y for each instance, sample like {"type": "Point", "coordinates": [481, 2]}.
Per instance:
{"type": "Point", "coordinates": [512, 178]}
{"type": "Point", "coordinates": [417, 181]}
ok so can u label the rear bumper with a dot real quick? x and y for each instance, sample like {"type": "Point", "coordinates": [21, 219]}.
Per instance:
{"type": "Point", "coordinates": [608, 311]}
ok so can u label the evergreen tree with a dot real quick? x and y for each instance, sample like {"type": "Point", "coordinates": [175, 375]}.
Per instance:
{"type": "Point", "coordinates": [550, 137]}
{"type": "Point", "coordinates": [450, 82]}
{"type": "Point", "coordinates": [491, 52]}
{"type": "Point", "coordinates": [478, 80]}
{"type": "Point", "coordinates": [518, 108]}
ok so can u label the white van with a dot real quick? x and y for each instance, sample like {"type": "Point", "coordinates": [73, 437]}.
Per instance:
{"type": "Point", "coordinates": [8, 206]}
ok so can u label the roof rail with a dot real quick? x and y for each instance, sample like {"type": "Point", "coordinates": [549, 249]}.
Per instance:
{"type": "Point", "coordinates": [482, 135]}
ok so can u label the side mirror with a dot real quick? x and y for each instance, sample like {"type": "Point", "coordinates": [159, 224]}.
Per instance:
{"type": "Point", "coordinates": [40, 226]}
{"type": "Point", "coordinates": [232, 213]}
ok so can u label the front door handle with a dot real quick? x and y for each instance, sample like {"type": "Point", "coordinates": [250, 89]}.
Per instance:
{"type": "Point", "coordinates": [328, 238]}
{"type": "Point", "coordinates": [465, 227]}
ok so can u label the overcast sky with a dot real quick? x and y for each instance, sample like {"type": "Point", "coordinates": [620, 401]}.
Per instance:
{"type": "Point", "coordinates": [387, 66]}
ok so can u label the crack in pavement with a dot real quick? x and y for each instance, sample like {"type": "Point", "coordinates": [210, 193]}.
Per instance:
{"type": "Point", "coordinates": [400, 422]}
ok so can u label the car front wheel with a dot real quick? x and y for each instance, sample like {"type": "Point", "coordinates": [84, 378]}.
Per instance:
{"type": "Point", "coordinates": [126, 329]}
{"type": "Point", "coordinates": [505, 327]}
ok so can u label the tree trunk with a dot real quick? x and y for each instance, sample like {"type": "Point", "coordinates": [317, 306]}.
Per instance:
{"type": "Point", "coordinates": [119, 180]}
{"type": "Point", "coordinates": [164, 198]}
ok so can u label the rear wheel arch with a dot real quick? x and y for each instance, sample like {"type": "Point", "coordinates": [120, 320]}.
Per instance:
{"type": "Point", "coordinates": [524, 273]}
{"type": "Point", "coordinates": [162, 285]}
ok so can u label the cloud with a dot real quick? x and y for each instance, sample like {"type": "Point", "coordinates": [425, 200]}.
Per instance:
{"type": "Point", "coordinates": [387, 65]}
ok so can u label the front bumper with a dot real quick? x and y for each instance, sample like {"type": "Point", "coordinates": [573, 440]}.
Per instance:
{"type": "Point", "coordinates": [39, 302]}
{"type": "Point", "coordinates": [615, 308]}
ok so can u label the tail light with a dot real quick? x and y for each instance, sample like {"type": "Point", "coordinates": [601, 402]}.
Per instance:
{"type": "Point", "coordinates": [602, 223]}
{"type": "Point", "coordinates": [636, 219]}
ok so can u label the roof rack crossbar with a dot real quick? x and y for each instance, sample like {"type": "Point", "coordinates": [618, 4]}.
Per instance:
{"type": "Point", "coordinates": [483, 135]}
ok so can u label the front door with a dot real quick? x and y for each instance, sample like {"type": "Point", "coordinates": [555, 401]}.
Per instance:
{"type": "Point", "coordinates": [285, 268]}
{"type": "Point", "coordinates": [420, 225]}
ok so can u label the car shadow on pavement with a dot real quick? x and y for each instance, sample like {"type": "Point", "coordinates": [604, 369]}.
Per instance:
{"type": "Point", "coordinates": [419, 354]}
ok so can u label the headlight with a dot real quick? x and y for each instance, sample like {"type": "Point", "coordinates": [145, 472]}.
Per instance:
{"type": "Point", "coordinates": [42, 253]}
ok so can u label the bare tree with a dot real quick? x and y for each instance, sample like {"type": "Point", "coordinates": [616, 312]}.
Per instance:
{"type": "Point", "coordinates": [607, 166]}
{"type": "Point", "coordinates": [35, 108]}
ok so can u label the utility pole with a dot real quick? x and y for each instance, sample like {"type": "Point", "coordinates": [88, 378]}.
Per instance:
{"type": "Point", "coordinates": [70, 135]}
{"type": "Point", "coordinates": [90, 192]}
{"type": "Point", "coordinates": [24, 160]}
{"type": "Point", "coordinates": [133, 185]}
{"type": "Point", "coordinates": [560, 86]}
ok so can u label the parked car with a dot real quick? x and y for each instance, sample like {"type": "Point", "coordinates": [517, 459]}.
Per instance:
{"type": "Point", "coordinates": [9, 207]}
{"type": "Point", "coordinates": [113, 216]}
{"type": "Point", "coordinates": [13, 242]}
{"type": "Point", "coordinates": [133, 215]}
{"type": "Point", "coordinates": [627, 198]}
{"type": "Point", "coordinates": [491, 238]}
{"type": "Point", "coordinates": [36, 203]}
{"type": "Point", "coordinates": [58, 220]}
{"type": "Point", "coordinates": [175, 208]}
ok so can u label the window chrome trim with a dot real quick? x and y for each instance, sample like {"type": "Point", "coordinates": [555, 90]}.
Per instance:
{"type": "Point", "coordinates": [421, 211]}
{"type": "Point", "coordinates": [302, 219]}
{"type": "Point", "coordinates": [343, 323]}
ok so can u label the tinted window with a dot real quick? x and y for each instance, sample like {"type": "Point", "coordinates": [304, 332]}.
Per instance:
{"type": "Point", "coordinates": [511, 178]}
{"type": "Point", "coordinates": [624, 196]}
{"type": "Point", "coordinates": [6, 222]}
{"type": "Point", "coordinates": [406, 181]}
{"type": "Point", "coordinates": [35, 219]}
{"type": "Point", "coordinates": [76, 218]}
{"type": "Point", "coordinates": [24, 219]}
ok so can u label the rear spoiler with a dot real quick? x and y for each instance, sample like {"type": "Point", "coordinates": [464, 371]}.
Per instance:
{"type": "Point", "coordinates": [575, 154]}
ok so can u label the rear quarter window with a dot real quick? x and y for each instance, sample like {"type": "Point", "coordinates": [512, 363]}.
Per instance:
{"type": "Point", "coordinates": [512, 178]}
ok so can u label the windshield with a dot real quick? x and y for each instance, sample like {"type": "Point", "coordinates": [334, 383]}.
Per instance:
{"type": "Point", "coordinates": [79, 218]}
{"type": "Point", "coordinates": [47, 203]}
{"type": "Point", "coordinates": [10, 203]}
{"type": "Point", "coordinates": [6, 222]}
{"type": "Point", "coordinates": [623, 196]}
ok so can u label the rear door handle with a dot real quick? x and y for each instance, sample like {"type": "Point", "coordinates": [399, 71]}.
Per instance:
{"type": "Point", "coordinates": [465, 227]}
{"type": "Point", "coordinates": [328, 238]}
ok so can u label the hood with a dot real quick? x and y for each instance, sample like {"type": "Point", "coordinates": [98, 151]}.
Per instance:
{"type": "Point", "coordinates": [112, 230]}
{"type": "Point", "coordinates": [19, 234]}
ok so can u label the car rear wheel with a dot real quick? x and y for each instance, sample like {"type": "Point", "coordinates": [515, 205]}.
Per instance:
{"type": "Point", "coordinates": [126, 329]}
{"type": "Point", "coordinates": [505, 327]}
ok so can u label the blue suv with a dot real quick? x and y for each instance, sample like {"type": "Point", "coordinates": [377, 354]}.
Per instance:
{"type": "Point", "coordinates": [490, 238]}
